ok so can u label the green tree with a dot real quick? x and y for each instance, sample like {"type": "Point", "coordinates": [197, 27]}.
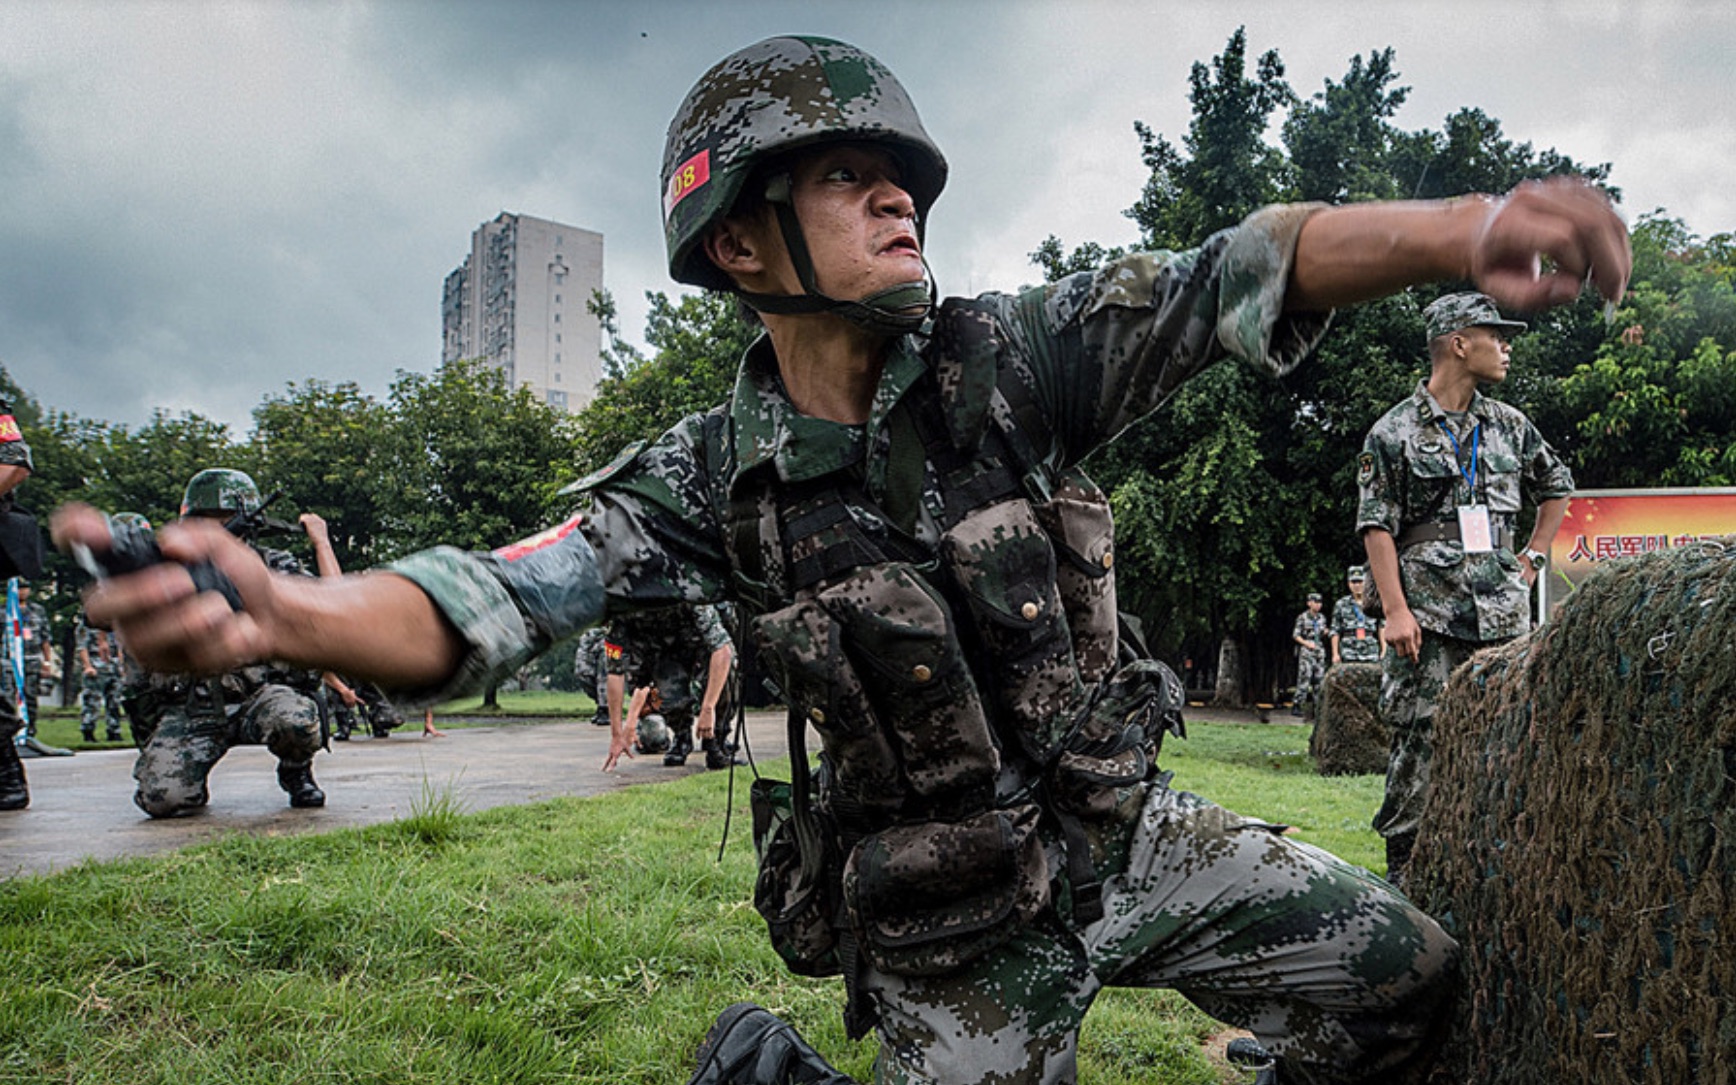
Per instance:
{"type": "Point", "coordinates": [1655, 404]}
{"type": "Point", "coordinates": [469, 462]}
{"type": "Point", "coordinates": [697, 342]}
{"type": "Point", "coordinates": [327, 446]}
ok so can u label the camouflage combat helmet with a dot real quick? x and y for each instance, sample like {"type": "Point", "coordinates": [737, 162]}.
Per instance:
{"type": "Point", "coordinates": [220, 490]}
{"type": "Point", "coordinates": [653, 734]}
{"type": "Point", "coordinates": [131, 519]}
{"type": "Point", "coordinates": [781, 95]}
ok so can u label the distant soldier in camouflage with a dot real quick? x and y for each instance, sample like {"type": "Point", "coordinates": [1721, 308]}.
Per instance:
{"type": "Point", "coordinates": [1442, 477]}
{"type": "Point", "coordinates": [1355, 632]}
{"type": "Point", "coordinates": [15, 466]}
{"type": "Point", "coordinates": [893, 489]}
{"type": "Point", "coordinates": [591, 672]}
{"type": "Point", "coordinates": [37, 649]}
{"type": "Point", "coordinates": [676, 650]}
{"type": "Point", "coordinates": [185, 724]}
{"type": "Point", "coordinates": [100, 664]}
{"type": "Point", "coordinates": [1309, 634]}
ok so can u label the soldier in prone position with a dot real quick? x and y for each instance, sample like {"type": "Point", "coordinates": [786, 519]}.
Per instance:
{"type": "Point", "coordinates": [893, 489]}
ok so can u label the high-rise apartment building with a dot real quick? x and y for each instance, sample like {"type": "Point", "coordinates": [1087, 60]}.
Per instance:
{"type": "Point", "coordinates": [519, 301]}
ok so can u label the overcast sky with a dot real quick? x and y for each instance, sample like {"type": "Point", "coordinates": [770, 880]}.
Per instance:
{"type": "Point", "coordinates": [200, 202]}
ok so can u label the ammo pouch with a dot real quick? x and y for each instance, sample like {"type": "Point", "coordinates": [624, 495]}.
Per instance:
{"type": "Point", "coordinates": [926, 899]}
{"type": "Point", "coordinates": [796, 899]}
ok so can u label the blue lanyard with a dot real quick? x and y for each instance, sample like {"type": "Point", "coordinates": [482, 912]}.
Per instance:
{"type": "Point", "coordinates": [1470, 476]}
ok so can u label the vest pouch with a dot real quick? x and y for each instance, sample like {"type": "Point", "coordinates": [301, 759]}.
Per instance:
{"type": "Point", "coordinates": [903, 650]}
{"type": "Point", "coordinates": [927, 899]}
{"type": "Point", "coordinates": [797, 902]}
{"type": "Point", "coordinates": [1002, 558]}
{"type": "Point", "coordinates": [1079, 523]}
{"type": "Point", "coordinates": [1115, 740]}
{"type": "Point", "coordinates": [803, 647]}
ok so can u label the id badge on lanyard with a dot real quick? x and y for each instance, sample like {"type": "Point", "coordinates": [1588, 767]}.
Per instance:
{"type": "Point", "coordinates": [1476, 534]}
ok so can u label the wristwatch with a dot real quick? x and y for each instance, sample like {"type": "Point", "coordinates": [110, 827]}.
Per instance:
{"type": "Point", "coordinates": [1537, 558]}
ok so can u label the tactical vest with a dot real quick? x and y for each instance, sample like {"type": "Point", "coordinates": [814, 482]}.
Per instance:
{"type": "Point", "coordinates": [968, 695]}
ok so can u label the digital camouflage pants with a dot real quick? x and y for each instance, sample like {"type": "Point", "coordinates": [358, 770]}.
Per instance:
{"type": "Point", "coordinates": [1409, 692]}
{"type": "Point", "coordinates": [188, 741]}
{"type": "Point", "coordinates": [29, 703]}
{"type": "Point", "coordinates": [99, 699]}
{"type": "Point", "coordinates": [1329, 966]}
{"type": "Point", "coordinates": [1310, 672]}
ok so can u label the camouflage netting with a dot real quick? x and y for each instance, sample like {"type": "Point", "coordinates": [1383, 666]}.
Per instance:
{"type": "Point", "coordinates": [1349, 738]}
{"type": "Point", "coordinates": [1580, 834]}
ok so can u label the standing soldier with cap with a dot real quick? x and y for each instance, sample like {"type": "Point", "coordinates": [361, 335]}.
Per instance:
{"type": "Point", "coordinates": [17, 537]}
{"type": "Point", "coordinates": [1355, 633]}
{"type": "Point", "coordinates": [184, 724]}
{"type": "Point", "coordinates": [893, 488]}
{"type": "Point", "coordinates": [1443, 476]}
{"type": "Point", "coordinates": [37, 649]}
{"type": "Point", "coordinates": [1309, 633]}
{"type": "Point", "coordinates": [100, 665]}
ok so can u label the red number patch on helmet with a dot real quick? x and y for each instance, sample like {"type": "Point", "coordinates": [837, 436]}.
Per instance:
{"type": "Point", "coordinates": [9, 429]}
{"type": "Point", "coordinates": [689, 176]}
{"type": "Point", "coordinates": [526, 547]}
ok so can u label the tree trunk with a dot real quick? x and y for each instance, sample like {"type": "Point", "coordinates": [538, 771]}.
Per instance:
{"type": "Point", "coordinates": [491, 695]}
{"type": "Point", "coordinates": [1229, 691]}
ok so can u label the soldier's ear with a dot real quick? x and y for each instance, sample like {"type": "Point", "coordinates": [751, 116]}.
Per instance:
{"type": "Point", "coordinates": [735, 245]}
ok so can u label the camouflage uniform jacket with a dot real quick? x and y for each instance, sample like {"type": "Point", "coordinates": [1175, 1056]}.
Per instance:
{"type": "Point", "coordinates": [1310, 626]}
{"type": "Point", "coordinates": [1348, 617]}
{"type": "Point", "coordinates": [1099, 351]}
{"type": "Point", "coordinates": [33, 621]}
{"type": "Point", "coordinates": [14, 450]}
{"type": "Point", "coordinates": [100, 646]}
{"type": "Point", "coordinates": [1409, 474]}
{"type": "Point", "coordinates": [694, 631]}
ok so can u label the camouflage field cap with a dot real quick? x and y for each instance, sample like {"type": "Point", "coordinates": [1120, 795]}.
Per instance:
{"type": "Point", "coordinates": [220, 490]}
{"type": "Point", "coordinates": [1451, 312]}
{"type": "Point", "coordinates": [131, 519]}
{"type": "Point", "coordinates": [1357, 572]}
{"type": "Point", "coordinates": [1314, 597]}
{"type": "Point", "coordinates": [779, 95]}
{"type": "Point", "coordinates": [653, 734]}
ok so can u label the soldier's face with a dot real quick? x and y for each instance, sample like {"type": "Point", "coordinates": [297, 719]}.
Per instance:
{"type": "Point", "coordinates": [1487, 353]}
{"type": "Point", "coordinates": [858, 221]}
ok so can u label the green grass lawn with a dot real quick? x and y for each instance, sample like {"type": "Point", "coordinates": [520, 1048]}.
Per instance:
{"type": "Point", "coordinates": [578, 940]}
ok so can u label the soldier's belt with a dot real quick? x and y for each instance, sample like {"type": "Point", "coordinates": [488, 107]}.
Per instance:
{"type": "Point", "coordinates": [1446, 531]}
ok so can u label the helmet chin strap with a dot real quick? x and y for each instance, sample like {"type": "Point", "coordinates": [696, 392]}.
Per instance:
{"type": "Point", "coordinates": [896, 310]}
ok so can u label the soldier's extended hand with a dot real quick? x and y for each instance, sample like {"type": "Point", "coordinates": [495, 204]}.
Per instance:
{"type": "Point", "coordinates": [315, 526]}
{"type": "Point", "coordinates": [166, 624]}
{"type": "Point", "coordinates": [1404, 635]}
{"type": "Point", "coordinates": [620, 742]}
{"type": "Point", "coordinates": [1563, 220]}
{"type": "Point", "coordinates": [705, 722]}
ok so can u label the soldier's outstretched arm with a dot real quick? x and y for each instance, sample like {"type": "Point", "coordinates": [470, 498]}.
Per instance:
{"type": "Point", "coordinates": [377, 627]}
{"type": "Point", "coordinates": [1531, 249]}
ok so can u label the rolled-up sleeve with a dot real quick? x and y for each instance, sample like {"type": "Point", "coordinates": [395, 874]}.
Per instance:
{"type": "Point", "coordinates": [507, 605]}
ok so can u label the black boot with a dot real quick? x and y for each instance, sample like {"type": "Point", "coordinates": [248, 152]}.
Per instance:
{"type": "Point", "coordinates": [751, 1046]}
{"type": "Point", "coordinates": [718, 754]}
{"type": "Point", "coordinates": [680, 747]}
{"type": "Point", "coordinates": [298, 781]}
{"type": "Point", "coordinates": [14, 795]}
